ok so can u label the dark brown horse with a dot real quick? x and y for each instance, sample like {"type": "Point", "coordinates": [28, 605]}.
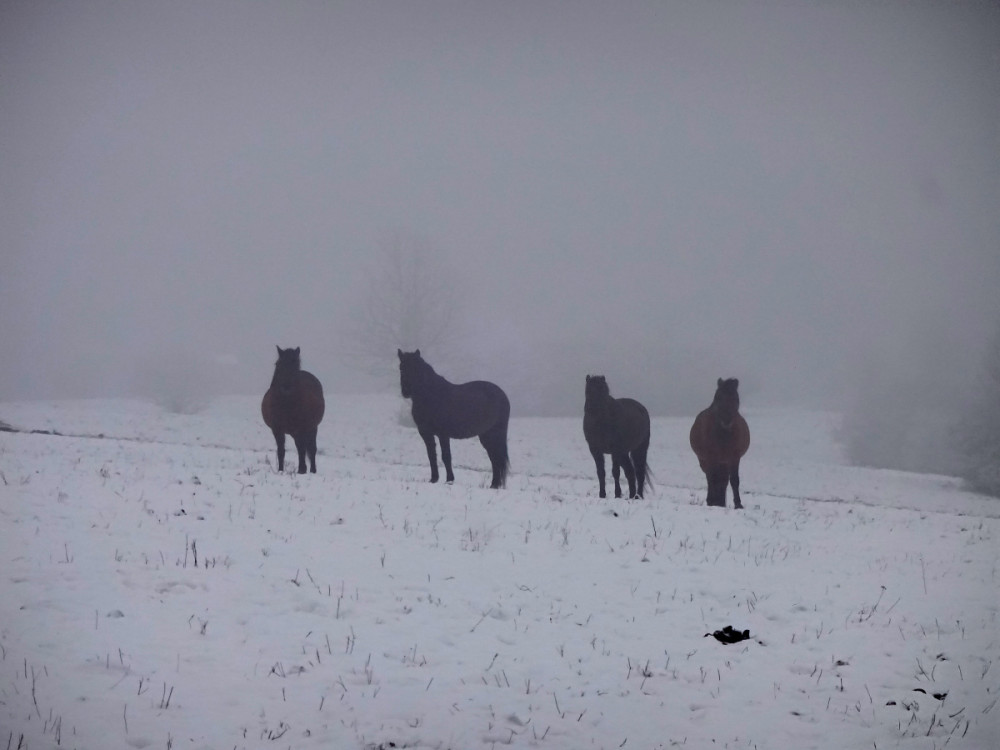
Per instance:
{"type": "Point", "coordinates": [719, 437]}
{"type": "Point", "coordinates": [447, 410]}
{"type": "Point", "coordinates": [293, 405]}
{"type": "Point", "coordinates": [619, 426]}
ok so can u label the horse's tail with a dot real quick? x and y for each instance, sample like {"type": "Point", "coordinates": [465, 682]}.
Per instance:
{"type": "Point", "coordinates": [495, 442]}
{"type": "Point", "coordinates": [649, 479]}
{"type": "Point", "coordinates": [502, 454]}
{"type": "Point", "coordinates": [644, 469]}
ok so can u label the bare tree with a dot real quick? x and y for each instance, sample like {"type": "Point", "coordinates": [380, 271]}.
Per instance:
{"type": "Point", "coordinates": [180, 380]}
{"type": "Point", "coordinates": [409, 301]}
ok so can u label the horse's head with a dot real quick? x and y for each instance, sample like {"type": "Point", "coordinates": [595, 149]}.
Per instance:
{"type": "Point", "coordinates": [413, 371]}
{"type": "Point", "coordinates": [596, 392]}
{"type": "Point", "coordinates": [726, 402]}
{"type": "Point", "coordinates": [288, 364]}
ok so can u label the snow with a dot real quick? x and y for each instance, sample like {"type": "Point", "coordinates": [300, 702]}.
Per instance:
{"type": "Point", "coordinates": [162, 586]}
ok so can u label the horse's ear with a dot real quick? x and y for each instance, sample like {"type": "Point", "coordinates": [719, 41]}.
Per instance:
{"type": "Point", "coordinates": [736, 383]}
{"type": "Point", "coordinates": [298, 350]}
{"type": "Point", "coordinates": [720, 383]}
{"type": "Point", "coordinates": [278, 348]}
{"type": "Point", "coordinates": [399, 353]}
{"type": "Point", "coordinates": [588, 378]}
{"type": "Point", "coordinates": [417, 352]}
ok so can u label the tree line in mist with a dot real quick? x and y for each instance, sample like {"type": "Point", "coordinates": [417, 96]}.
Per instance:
{"type": "Point", "coordinates": [925, 421]}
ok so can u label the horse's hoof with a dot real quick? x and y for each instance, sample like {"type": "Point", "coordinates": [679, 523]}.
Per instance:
{"type": "Point", "coordinates": [449, 481]}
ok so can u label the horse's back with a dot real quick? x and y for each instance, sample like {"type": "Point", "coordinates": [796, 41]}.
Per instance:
{"type": "Point", "coordinates": [627, 430]}
{"type": "Point", "coordinates": [634, 421]}
{"type": "Point", "coordinates": [634, 412]}
{"type": "Point", "coordinates": [470, 409]}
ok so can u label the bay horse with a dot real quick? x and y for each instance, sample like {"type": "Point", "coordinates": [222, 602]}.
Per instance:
{"type": "Point", "coordinates": [293, 405]}
{"type": "Point", "coordinates": [619, 426]}
{"type": "Point", "coordinates": [720, 437]}
{"type": "Point", "coordinates": [447, 411]}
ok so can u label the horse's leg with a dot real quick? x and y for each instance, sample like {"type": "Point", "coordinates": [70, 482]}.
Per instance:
{"type": "Point", "coordinates": [718, 477]}
{"type": "Point", "coordinates": [446, 458]}
{"type": "Point", "coordinates": [616, 472]}
{"type": "Point", "coordinates": [626, 464]}
{"type": "Point", "coordinates": [279, 439]}
{"type": "Point", "coordinates": [301, 443]}
{"type": "Point", "coordinates": [734, 480]}
{"type": "Point", "coordinates": [428, 438]}
{"type": "Point", "coordinates": [311, 447]}
{"type": "Point", "coordinates": [599, 462]}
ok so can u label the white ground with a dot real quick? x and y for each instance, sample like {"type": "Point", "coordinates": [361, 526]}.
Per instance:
{"type": "Point", "coordinates": [162, 586]}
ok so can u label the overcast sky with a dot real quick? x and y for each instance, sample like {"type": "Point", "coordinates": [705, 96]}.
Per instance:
{"type": "Point", "coordinates": [782, 186]}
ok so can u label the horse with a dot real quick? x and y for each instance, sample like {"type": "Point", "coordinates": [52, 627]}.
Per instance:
{"type": "Point", "coordinates": [293, 405]}
{"type": "Point", "coordinates": [447, 411]}
{"type": "Point", "coordinates": [619, 426]}
{"type": "Point", "coordinates": [720, 437]}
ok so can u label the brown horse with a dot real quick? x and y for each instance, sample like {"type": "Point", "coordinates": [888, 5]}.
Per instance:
{"type": "Point", "coordinates": [449, 410]}
{"type": "Point", "coordinates": [619, 426]}
{"type": "Point", "coordinates": [719, 437]}
{"type": "Point", "coordinates": [293, 405]}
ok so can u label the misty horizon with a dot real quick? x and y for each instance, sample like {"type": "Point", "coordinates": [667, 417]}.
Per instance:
{"type": "Point", "coordinates": [661, 192]}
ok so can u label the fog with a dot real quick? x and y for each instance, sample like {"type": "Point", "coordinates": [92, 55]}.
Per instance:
{"type": "Point", "coordinates": [664, 192]}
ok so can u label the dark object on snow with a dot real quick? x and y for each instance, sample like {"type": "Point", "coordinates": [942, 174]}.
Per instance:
{"type": "Point", "coordinates": [728, 635]}
{"type": "Point", "coordinates": [719, 437]}
{"type": "Point", "coordinates": [619, 426]}
{"type": "Point", "coordinates": [938, 696]}
{"type": "Point", "coordinates": [449, 410]}
{"type": "Point", "coordinates": [294, 405]}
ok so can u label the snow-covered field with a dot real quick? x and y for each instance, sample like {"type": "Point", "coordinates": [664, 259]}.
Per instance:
{"type": "Point", "coordinates": [162, 586]}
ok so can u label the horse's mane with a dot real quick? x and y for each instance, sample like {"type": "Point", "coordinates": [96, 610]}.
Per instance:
{"type": "Point", "coordinates": [423, 376]}
{"type": "Point", "coordinates": [727, 387]}
{"type": "Point", "coordinates": [596, 398]}
{"type": "Point", "coordinates": [286, 368]}
{"type": "Point", "coordinates": [289, 359]}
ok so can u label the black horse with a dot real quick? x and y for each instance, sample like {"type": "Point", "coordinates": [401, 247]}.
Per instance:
{"type": "Point", "coordinates": [619, 426]}
{"type": "Point", "coordinates": [720, 437]}
{"type": "Point", "coordinates": [447, 410]}
{"type": "Point", "coordinates": [293, 405]}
